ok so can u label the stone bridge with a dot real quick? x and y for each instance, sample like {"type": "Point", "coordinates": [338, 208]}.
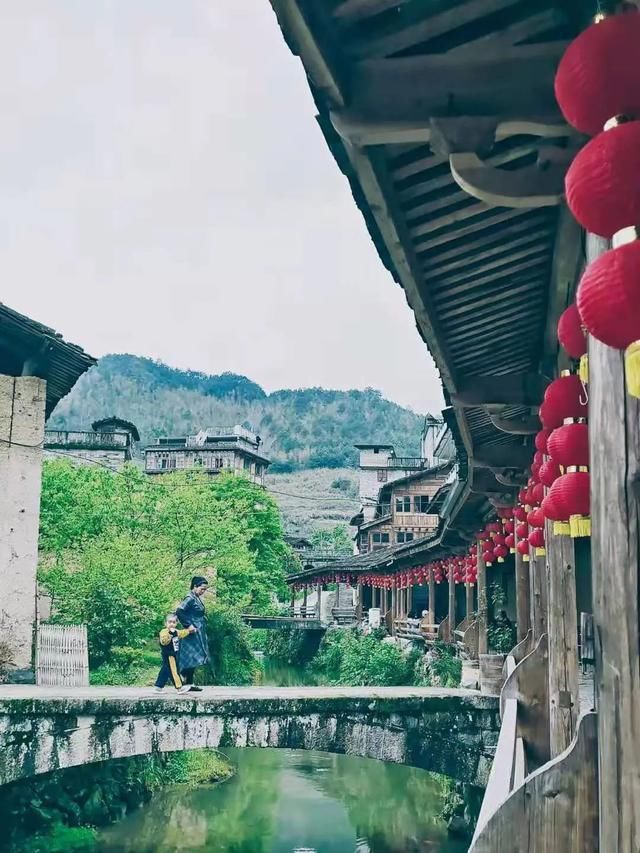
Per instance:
{"type": "Point", "coordinates": [447, 731]}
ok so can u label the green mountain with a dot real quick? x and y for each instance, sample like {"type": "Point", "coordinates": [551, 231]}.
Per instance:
{"type": "Point", "coordinates": [301, 428]}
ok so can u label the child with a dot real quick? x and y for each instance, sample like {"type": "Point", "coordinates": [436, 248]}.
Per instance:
{"type": "Point", "coordinates": [170, 638]}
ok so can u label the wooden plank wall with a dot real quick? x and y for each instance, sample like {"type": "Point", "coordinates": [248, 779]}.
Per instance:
{"type": "Point", "coordinates": [614, 436]}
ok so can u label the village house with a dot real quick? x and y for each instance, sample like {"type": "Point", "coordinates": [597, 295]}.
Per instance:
{"type": "Point", "coordinates": [398, 492]}
{"type": "Point", "coordinates": [231, 449]}
{"type": "Point", "coordinates": [110, 443]}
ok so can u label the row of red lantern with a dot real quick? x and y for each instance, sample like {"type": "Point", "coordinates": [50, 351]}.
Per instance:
{"type": "Point", "coordinates": [598, 90]}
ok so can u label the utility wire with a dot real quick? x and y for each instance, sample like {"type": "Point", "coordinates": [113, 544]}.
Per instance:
{"type": "Point", "coordinates": [68, 454]}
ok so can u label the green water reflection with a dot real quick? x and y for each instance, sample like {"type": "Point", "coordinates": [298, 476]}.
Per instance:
{"type": "Point", "coordinates": [282, 801]}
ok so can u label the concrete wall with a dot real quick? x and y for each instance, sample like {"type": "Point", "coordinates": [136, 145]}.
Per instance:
{"type": "Point", "coordinates": [113, 459]}
{"type": "Point", "coordinates": [22, 405]}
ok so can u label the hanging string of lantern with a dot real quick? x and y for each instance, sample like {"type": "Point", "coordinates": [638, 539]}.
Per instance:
{"type": "Point", "coordinates": [597, 87]}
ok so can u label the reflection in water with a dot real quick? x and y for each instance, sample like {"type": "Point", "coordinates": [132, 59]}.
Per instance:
{"type": "Point", "coordinates": [282, 801]}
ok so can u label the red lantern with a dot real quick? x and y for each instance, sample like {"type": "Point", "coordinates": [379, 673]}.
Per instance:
{"type": "Point", "coordinates": [541, 440]}
{"type": "Point", "coordinates": [508, 526]}
{"type": "Point", "coordinates": [569, 444]}
{"type": "Point", "coordinates": [609, 304]}
{"type": "Point", "coordinates": [522, 530]}
{"type": "Point", "coordinates": [571, 334]}
{"type": "Point", "coordinates": [536, 517]}
{"type": "Point", "coordinates": [603, 181]}
{"type": "Point", "coordinates": [537, 493]}
{"type": "Point", "coordinates": [500, 552]}
{"type": "Point", "coordinates": [549, 471]}
{"type": "Point", "coordinates": [565, 397]}
{"type": "Point", "coordinates": [523, 549]}
{"type": "Point", "coordinates": [510, 542]}
{"type": "Point", "coordinates": [536, 540]}
{"type": "Point", "coordinates": [498, 539]}
{"type": "Point", "coordinates": [520, 513]}
{"type": "Point", "coordinates": [573, 495]}
{"type": "Point", "coordinates": [599, 77]}
{"type": "Point", "coordinates": [554, 510]}
{"type": "Point", "coordinates": [487, 556]}
{"type": "Point", "coordinates": [538, 457]}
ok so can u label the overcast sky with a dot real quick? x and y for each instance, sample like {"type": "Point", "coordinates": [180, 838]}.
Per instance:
{"type": "Point", "coordinates": [167, 192]}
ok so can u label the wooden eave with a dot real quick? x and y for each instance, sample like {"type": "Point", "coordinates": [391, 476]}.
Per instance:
{"type": "Point", "coordinates": [30, 348]}
{"type": "Point", "coordinates": [401, 85]}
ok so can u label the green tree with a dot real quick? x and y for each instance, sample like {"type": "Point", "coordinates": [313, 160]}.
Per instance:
{"type": "Point", "coordinates": [118, 549]}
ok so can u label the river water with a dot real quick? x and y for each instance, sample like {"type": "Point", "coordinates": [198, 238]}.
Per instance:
{"type": "Point", "coordinates": [285, 801]}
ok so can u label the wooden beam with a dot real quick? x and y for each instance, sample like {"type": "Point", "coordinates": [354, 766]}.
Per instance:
{"type": "Point", "coordinates": [614, 438]}
{"type": "Point", "coordinates": [523, 595]}
{"type": "Point", "coordinates": [299, 35]}
{"type": "Point", "coordinates": [512, 84]}
{"type": "Point", "coordinates": [538, 185]}
{"type": "Point", "coordinates": [523, 389]}
{"type": "Point", "coordinates": [502, 456]}
{"type": "Point", "coordinates": [567, 262]}
{"type": "Point", "coordinates": [414, 25]}
{"type": "Point", "coordinates": [525, 425]}
{"type": "Point", "coordinates": [562, 622]}
{"type": "Point", "coordinates": [483, 618]}
{"type": "Point", "coordinates": [538, 595]}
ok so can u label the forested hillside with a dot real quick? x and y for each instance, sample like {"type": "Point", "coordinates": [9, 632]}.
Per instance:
{"type": "Point", "coordinates": [305, 428]}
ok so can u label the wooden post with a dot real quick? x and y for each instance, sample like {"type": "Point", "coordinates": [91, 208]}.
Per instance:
{"type": "Point", "coordinates": [394, 597]}
{"type": "Point", "coordinates": [304, 602]}
{"type": "Point", "coordinates": [482, 604]}
{"type": "Point", "coordinates": [292, 606]}
{"type": "Point", "coordinates": [538, 586]}
{"type": "Point", "coordinates": [319, 601]}
{"type": "Point", "coordinates": [452, 606]}
{"type": "Point", "coordinates": [468, 599]}
{"type": "Point", "coordinates": [432, 599]}
{"type": "Point", "coordinates": [409, 599]}
{"type": "Point", "coordinates": [562, 624]}
{"type": "Point", "coordinates": [359, 602]}
{"type": "Point", "coordinates": [523, 595]}
{"type": "Point", "coordinates": [614, 439]}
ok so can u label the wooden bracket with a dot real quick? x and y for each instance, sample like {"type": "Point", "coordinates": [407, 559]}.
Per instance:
{"type": "Point", "coordinates": [538, 185]}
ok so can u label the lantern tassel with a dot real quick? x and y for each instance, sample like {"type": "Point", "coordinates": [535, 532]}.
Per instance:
{"type": "Point", "coordinates": [501, 559]}
{"type": "Point", "coordinates": [580, 526]}
{"type": "Point", "coordinates": [512, 550]}
{"type": "Point", "coordinates": [561, 528]}
{"type": "Point", "coordinates": [540, 552]}
{"type": "Point", "coordinates": [584, 369]}
{"type": "Point", "coordinates": [525, 558]}
{"type": "Point", "coordinates": [632, 368]}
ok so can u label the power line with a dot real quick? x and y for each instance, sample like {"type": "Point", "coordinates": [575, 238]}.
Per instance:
{"type": "Point", "coordinates": [97, 462]}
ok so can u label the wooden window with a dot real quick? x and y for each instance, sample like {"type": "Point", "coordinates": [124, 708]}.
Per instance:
{"type": "Point", "coordinates": [382, 475]}
{"type": "Point", "coordinates": [420, 503]}
{"type": "Point", "coordinates": [403, 504]}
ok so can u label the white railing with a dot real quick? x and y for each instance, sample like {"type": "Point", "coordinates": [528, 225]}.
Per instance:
{"type": "Point", "coordinates": [62, 657]}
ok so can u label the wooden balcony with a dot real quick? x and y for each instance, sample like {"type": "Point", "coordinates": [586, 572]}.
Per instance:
{"type": "Point", "coordinates": [79, 440]}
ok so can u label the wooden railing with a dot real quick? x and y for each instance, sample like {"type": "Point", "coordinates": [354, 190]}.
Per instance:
{"type": "Point", "coordinates": [533, 804]}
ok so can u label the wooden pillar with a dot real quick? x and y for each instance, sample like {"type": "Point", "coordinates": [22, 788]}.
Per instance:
{"type": "Point", "coordinates": [394, 596]}
{"type": "Point", "coordinates": [409, 599]}
{"type": "Point", "coordinates": [538, 586]}
{"type": "Point", "coordinates": [562, 624]}
{"type": "Point", "coordinates": [452, 606]}
{"type": "Point", "coordinates": [292, 606]}
{"type": "Point", "coordinates": [614, 438]}
{"type": "Point", "coordinates": [482, 604]}
{"type": "Point", "coordinates": [359, 602]}
{"type": "Point", "coordinates": [304, 601]}
{"type": "Point", "coordinates": [432, 599]}
{"type": "Point", "coordinates": [523, 595]}
{"type": "Point", "coordinates": [319, 601]}
{"type": "Point", "coordinates": [468, 599]}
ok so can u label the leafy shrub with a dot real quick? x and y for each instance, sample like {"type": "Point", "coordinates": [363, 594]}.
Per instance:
{"type": "Point", "coordinates": [6, 659]}
{"type": "Point", "coordinates": [232, 660]}
{"type": "Point", "coordinates": [291, 645]}
{"type": "Point", "coordinates": [352, 658]}
{"type": "Point", "coordinates": [439, 667]}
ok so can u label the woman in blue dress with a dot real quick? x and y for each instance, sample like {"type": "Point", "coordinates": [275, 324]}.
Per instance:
{"type": "Point", "coordinates": [194, 649]}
